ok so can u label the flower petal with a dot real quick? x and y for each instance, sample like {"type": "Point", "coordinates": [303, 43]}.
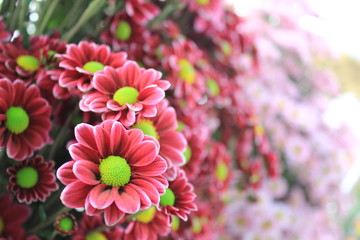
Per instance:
{"type": "Point", "coordinates": [87, 172]}
{"type": "Point", "coordinates": [102, 196]}
{"type": "Point", "coordinates": [142, 153]}
{"type": "Point", "coordinates": [128, 200]}
{"type": "Point", "coordinates": [74, 194]}
{"type": "Point", "coordinates": [113, 215]}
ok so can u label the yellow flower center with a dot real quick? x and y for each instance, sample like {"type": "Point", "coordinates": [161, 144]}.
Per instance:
{"type": "Point", "coordinates": [226, 48]}
{"type": "Point", "coordinates": [187, 154]}
{"type": "Point", "coordinates": [93, 66]}
{"type": "Point", "coordinates": [95, 236]}
{"type": "Point", "coordinates": [147, 127]}
{"type": "Point", "coordinates": [123, 31]}
{"type": "Point", "coordinates": [168, 198]}
{"type": "Point", "coordinates": [17, 120]}
{"type": "Point", "coordinates": [28, 62]}
{"type": "Point", "coordinates": [66, 224]}
{"type": "Point", "coordinates": [221, 171]}
{"type": "Point", "coordinates": [203, 2]}
{"type": "Point", "coordinates": [187, 71]}
{"type": "Point", "coordinates": [27, 177]}
{"type": "Point", "coordinates": [146, 216]}
{"type": "Point", "coordinates": [213, 87]}
{"type": "Point", "coordinates": [175, 223]}
{"type": "Point", "coordinates": [126, 95]}
{"type": "Point", "coordinates": [114, 171]}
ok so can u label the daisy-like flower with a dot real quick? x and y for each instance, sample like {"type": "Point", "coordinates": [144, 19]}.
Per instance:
{"type": "Point", "coordinates": [114, 170]}
{"type": "Point", "coordinates": [82, 61]}
{"type": "Point", "coordinates": [179, 197]}
{"type": "Point", "coordinates": [66, 224]}
{"type": "Point", "coordinates": [122, 93]}
{"type": "Point", "coordinates": [87, 226]}
{"type": "Point", "coordinates": [24, 119]}
{"type": "Point", "coordinates": [163, 128]}
{"type": "Point", "coordinates": [32, 180]}
{"type": "Point", "coordinates": [123, 32]}
{"type": "Point", "coordinates": [180, 61]}
{"type": "Point", "coordinates": [12, 216]}
{"type": "Point", "coordinates": [147, 224]}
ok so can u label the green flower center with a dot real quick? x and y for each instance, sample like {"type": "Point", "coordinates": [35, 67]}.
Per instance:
{"type": "Point", "coordinates": [66, 224]}
{"type": "Point", "coordinates": [196, 225]}
{"type": "Point", "coordinates": [28, 62]}
{"type": "Point", "coordinates": [221, 171]}
{"type": "Point", "coordinates": [175, 223]}
{"type": "Point", "coordinates": [123, 31]}
{"type": "Point", "coordinates": [203, 2]}
{"type": "Point", "coordinates": [93, 66]}
{"type": "Point", "coordinates": [187, 71]}
{"type": "Point", "coordinates": [146, 216]}
{"type": "Point", "coordinates": [168, 198]}
{"type": "Point", "coordinates": [17, 120]}
{"type": "Point", "coordinates": [95, 236]}
{"type": "Point", "coordinates": [27, 177]}
{"type": "Point", "coordinates": [1, 225]}
{"type": "Point", "coordinates": [180, 126]}
{"type": "Point", "coordinates": [114, 171]}
{"type": "Point", "coordinates": [126, 95]}
{"type": "Point", "coordinates": [213, 87]}
{"type": "Point", "coordinates": [147, 127]}
{"type": "Point", "coordinates": [187, 154]}
{"type": "Point", "coordinates": [226, 48]}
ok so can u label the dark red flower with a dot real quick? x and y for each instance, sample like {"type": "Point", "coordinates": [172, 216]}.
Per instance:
{"type": "Point", "coordinates": [24, 119]}
{"type": "Point", "coordinates": [66, 224]}
{"type": "Point", "coordinates": [32, 180]}
{"type": "Point", "coordinates": [141, 11]}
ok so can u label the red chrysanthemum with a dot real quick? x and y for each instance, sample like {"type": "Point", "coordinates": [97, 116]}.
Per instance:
{"type": "Point", "coordinates": [163, 128]}
{"type": "Point", "coordinates": [147, 224]}
{"type": "Point", "coordinates": [24, 119]}
{"type": "Point", "coordinates": [123, 32]}
{"type": "Point", "coordinates": [32, 180]}
{"type": "Point", "coordinates": [89, 224]}
{"type": "Point", "coordinates": [122, 93]}
{"type": "Point", "coordinates": [180, 61]}
{"type": "Point", "coordinates": [12, 216]}
{"type": "Point", "coordinates": [83, 60]}
{"type": "Point", "coordinates": [114, 170]}
{"type": "Point", "coordinates": [18, 63]}
{"type": "Point", "coordinates": [179, 197]}
{"type": "Point", "coordinates": [141, 11]}
{"type": "Point", "coordinates": [66, 224]}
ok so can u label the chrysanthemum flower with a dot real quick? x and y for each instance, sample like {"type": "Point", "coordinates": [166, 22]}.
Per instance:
{"type": "Point", "coordinates": [163, 128]}
{"type": "Point", "coordinates": [82, 61]}
{"type": "Point", "coordinates": [179, 197]}
{"type": "Point", "coordinates": [12, 216]}
{"type": "Point", "coordinates": [88, 225]}
{"type": "Point", "coordinates": [66, 224]}
{"type": "Point", "coordinates": [122, 93]}
{"type": "Point", "coordinates": [24, 119]}
{"type": "Point", "coordinates": [123, 32]}
{"type": "Point", "coordinates": [147, 224]}
{"type": "Point", "coordinates": [32, 180]}
{"type": "Point", "coordinates": [114, 170]}
{"type": "Point", "coordinates": [18, 63]}
{"type": "Point", "coordinates": [141, 11]}
{"type": "Point", "coordinates": [180, 61]}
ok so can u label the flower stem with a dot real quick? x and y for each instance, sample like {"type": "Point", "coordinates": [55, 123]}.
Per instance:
{"type": "Point", "coordinates": [48, 14]}
{"type": "Point", "coordinates": [50, 220]}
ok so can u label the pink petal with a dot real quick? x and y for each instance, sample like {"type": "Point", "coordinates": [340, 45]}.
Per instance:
{"type": "Point", "coordinates": [102, 139]}
{"type": "Point", "coordinates": [142, 154]}
{"type": "Point", "coordinates": [80, 152]}
{"type": "Point", "coordinates": [87, 172]}
{"type": "Point", "coordinates": [74, 194]}
{"type": "Point", "coordinates": [128, 200]}
{"type": "Point", "coordinates": [148, 111]}
{"type": "Point", "coordinates": [85, 136]}
{"type": "Point", "coordinates": [102, 196]}
{"type": "Point", "coordinates": [157, 167]}
{"type": "Point", "coordinates": [167, 120]}
{"type": "Point", "coordinates": [151, 95]}
{"type": "Point", "coordinates": [144, 198]}
{"type": "Point", "coordinates": [65, 173]}
{"type": "Point", "coordinates": [148, 188]}
{"type": "Point", "coordinates": [113, 215]}
{"type": "Point", "coordinates": [118, 139]}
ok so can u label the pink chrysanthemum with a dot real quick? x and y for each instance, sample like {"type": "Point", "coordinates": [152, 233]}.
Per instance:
{"type": "Point", "coordinates": [18, 63]}
{"type": "Point", "coordinates": [12, 216]}
{"type": "Point", "coordinates": [163, 128]}
{"type": "Point", "coordinates": [179, 197]}
{"type": "Point", "coordinates": [141, 11]}
{"type": "Point", "coordinates": [114, 170]}
{"type": "Point", "coordinates": [123, 32]}
{"type": "Point", "coordinates": [88, 225]}
{"type": "Point", "coordinates": [147, 224]}
{"type": "Point", "coordinates": [82, 61]}
{"type": "Point", "coordinates": [122, 93]}
{"type": "Point", "coordinates": [180, 61]}
{"type": "Point", "coordinates": [24, 119]}
{"type": "Point", "coordinates": [32, 180]}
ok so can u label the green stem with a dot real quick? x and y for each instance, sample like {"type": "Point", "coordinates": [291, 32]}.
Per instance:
{"type": "Point", "coordinates": [48, 14]}
{"type": "Point", "coordinates": [50, 220]}
{"type": "Point", "coordinates": [23, 9]}
{"type": "Point", "coordinates": [90, 11]}
{"type": "Point", "coordinates": [14, 15]}
{"type": "Point", "coordinates": [74, 10]}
